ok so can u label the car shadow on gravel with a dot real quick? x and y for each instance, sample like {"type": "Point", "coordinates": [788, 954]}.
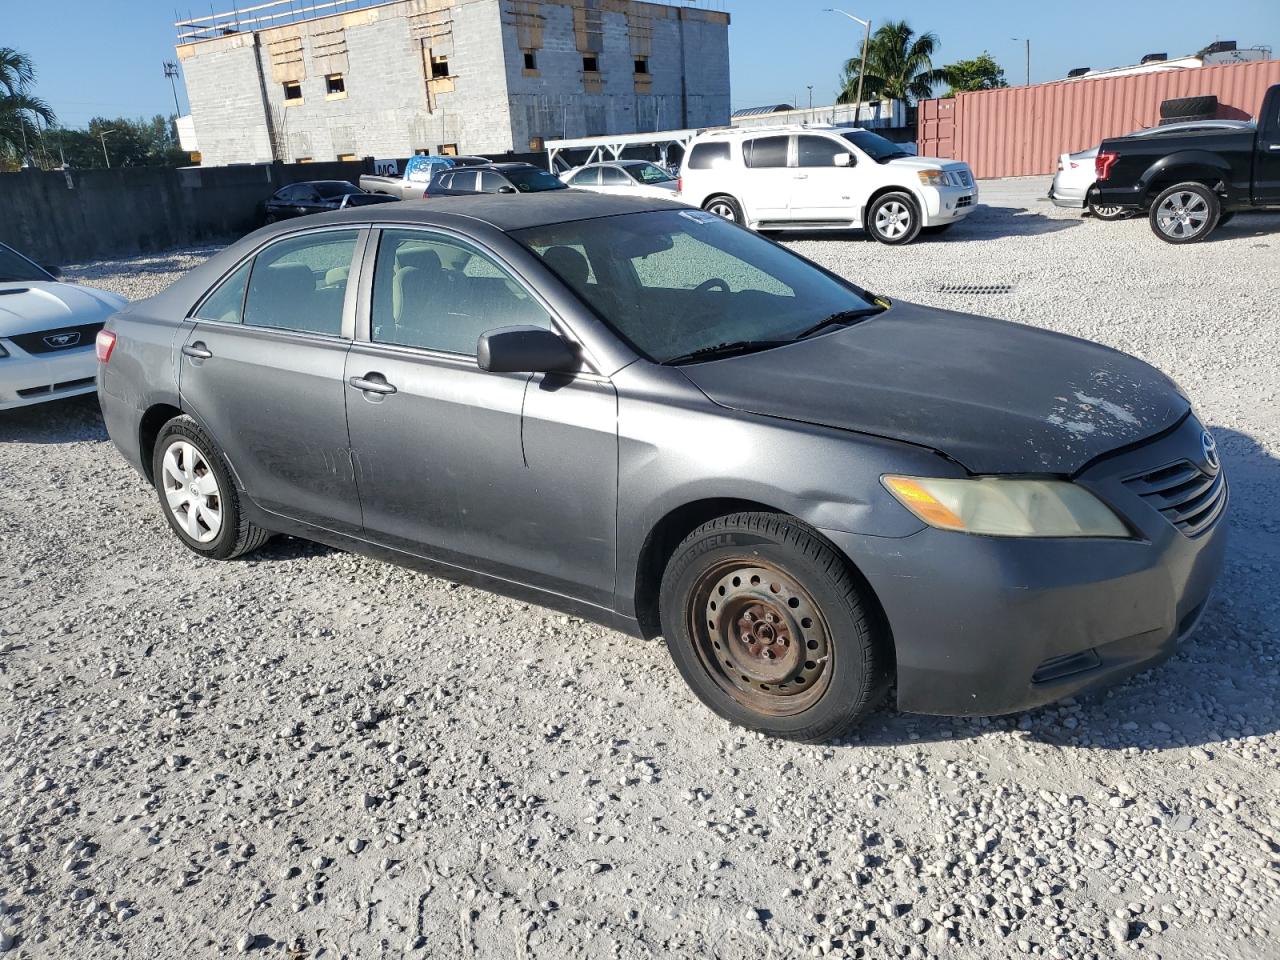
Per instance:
{"type": "Point", "coordinates": [1215, 688]}
{"type": "Point", "coordinates": [983, 223]}
{"type": "Point", "coordinates": [73, 420]}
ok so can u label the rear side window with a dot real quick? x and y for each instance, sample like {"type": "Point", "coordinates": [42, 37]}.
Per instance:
{"type": "Point", "coordinates": [709, 156]}
{"type": "Point", "coordinates": [440, 293]}
{"type": "Point", "coordinates": [613, 177]}
{"type": "Point", "coordinates": [226, 303]}
{"type": "Point", "coordinates": [465, 180]}
{"type": "Point", "coordinates": [300, 283]}
{"type": "Point", "coordinates": [589, 177]}
{"type": "Point", "coordinates": [766, 152]}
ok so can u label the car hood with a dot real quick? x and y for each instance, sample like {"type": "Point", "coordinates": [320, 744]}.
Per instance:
{"type": "Point", "coordinates": [927, 163]}
{"type": "Point", "coordinates": [997, 397]}
{"type": "Point", "coordinates": [31, 306]}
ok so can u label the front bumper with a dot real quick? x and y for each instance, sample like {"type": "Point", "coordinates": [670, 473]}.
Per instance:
{"type": "Point", "coordinates": [27, 378]}
{"type": "Point", "coordinates": [987, 625]}
{"type": "Point", "coordinates": [948, 204]}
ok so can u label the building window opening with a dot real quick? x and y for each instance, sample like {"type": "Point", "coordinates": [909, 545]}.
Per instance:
{"type": "Point", "coordinates": [447, 150]}
{"type": "Point", "coordinates": [335, 85]}
{"type": "Point", "coordinates": [590, 64]}
{"type": "Point", "coordinates": [642, 65]}
{"type": "Point", "coordinates": [439, 67]}
{"type": "Point", "coordinates": [292, 91]}
{"type": "Point", "coordinates": [530, 60]}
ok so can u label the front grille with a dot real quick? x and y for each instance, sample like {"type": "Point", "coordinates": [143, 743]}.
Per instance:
{"type": "Point", "coordinates": [76, 337]}
{"type": "Point", "coordinates": [1188, 497]}
{"type": "Point", "coordinates": [965, 201]}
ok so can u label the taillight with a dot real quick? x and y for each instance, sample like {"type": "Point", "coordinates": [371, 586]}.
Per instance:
{"type": "Point", "coordinates": [1103, 163]}
{"type": "Point", "coordinates": [679, 184]}
{"type": "Point", "coordinates": [103, 344]}
{"type": "Point", "coordinates": [426, 194]}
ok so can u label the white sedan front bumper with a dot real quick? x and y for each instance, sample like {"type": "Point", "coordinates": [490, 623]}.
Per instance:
{"type": "Point", "coordinates": [34, 378]}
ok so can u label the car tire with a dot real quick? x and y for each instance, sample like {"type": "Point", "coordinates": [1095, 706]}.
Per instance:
{"type": "Point", "coordinates": [893, 219]}
{"type": "Point", "coordinates": [1185, 213]}
{"type": "Point", "coordinates": [810, 673]}
{"type": "Point", "coordinates": [1182, 109]}
{"type": "Point", "coordinates": [1107, 213]}
{"type": "Point", "coordinates": [197, 494]}
{"type": "Point", "coordinates": [727, 207]}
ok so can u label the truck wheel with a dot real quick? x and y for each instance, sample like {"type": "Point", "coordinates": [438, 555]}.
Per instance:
{"type": "Point", "coordinates": [1185, 213]}
{"type": "Point", "coordinates": [725, 206]}
{"type": "Point", "coordinates": [770, 629]}
{"type": "Point", "coordinates": [893, 219]}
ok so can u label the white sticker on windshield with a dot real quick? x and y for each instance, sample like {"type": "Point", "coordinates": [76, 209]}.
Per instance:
{"type": "Point", "coordinates": [697, 216]}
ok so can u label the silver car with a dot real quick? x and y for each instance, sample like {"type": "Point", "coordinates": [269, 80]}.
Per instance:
{"type": "Point", "coordinates": [656, 419]}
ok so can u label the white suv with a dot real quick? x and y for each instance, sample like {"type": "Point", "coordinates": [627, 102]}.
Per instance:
{"type": "Point", "coordinates": [824, 178]}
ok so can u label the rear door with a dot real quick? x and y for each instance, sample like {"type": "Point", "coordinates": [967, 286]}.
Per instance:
{"type": "Point", "coordinates": [819, 189]}
{"type": "Point", "coordinates": [262, 369]}
{"type": "Point", "coordinates": [768, 193]}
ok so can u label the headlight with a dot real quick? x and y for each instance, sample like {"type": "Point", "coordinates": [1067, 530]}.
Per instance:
{"type": "Point", "coordinates": [1000, 507]}
{"type": "Point", "coordinates": [932, 178]}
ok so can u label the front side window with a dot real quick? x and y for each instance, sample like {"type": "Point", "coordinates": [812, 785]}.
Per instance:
{"type": "Point", "coordinates": [613, 177]}
{"type": "Point", "coordinates": [491, 182]}
{"type": "Point", "coordinates": [764, 152]}
{"type": "Point", "coordinates": [226, 303]}
{"type": "Point", "coordinates": [818, 151]}
{"type": "Point", "coordinates": [300, 283]}
{"type": "Point", "coordinates": [650, 173]}
{"type": "Point", "coordinates": [674, 282]}
{"type": "Point", "coordinates": [439, 293]}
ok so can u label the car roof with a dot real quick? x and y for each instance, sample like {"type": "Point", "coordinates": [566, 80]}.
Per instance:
{"type": "Point", "coordinates": [498, 210]}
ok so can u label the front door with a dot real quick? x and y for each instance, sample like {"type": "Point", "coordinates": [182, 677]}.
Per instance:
{"type": "Point", "coordinates": [262, 368]}
{"type": "Point", "coordinates": [511, 475]}
{"type": "Point", "coordinates": [1266, 164]}
{"type": "Point", "coordinates": [821, 190]}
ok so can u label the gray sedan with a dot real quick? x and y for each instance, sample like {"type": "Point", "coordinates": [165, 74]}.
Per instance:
{"type": "Point", "coordinates": [648, 416]}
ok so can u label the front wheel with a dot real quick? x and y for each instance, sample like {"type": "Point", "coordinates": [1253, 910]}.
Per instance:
{"type": "Point", "coordinates": [197, 494]}
{"type": "Point", "coordinates": [1185, 213]}
{"type": "Point", "coordinates": [894, 219]}
{"type": "Point", "coordinates": [768, 626]}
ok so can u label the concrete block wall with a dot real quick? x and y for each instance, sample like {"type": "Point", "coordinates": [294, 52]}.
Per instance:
{"type": "Point", "coordinates": [225, 94]}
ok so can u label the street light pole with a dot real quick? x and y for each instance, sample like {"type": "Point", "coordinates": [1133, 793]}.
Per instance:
{"type": "Point", "coordinates": [862, 71]}
{"type": "Point", "coordinates": [102, 135]}
{"type": "Point", "coordinates": [811, 96]}
{"type": "Point", "coordinates": [1027, 41]}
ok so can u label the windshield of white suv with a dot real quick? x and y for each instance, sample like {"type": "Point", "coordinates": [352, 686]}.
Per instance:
{"type": "Point", "coordinates": [15, 267]}
{"type": "Point", "coordinates": [649, 173]}
{"type": "Point", "coordinates": [682, 286]}
{"type": "Point", "coordinates": [875, 146]}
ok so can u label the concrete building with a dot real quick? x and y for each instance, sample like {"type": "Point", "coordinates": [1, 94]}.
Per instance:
{"type": "Point", "coordinates": [444, 76]}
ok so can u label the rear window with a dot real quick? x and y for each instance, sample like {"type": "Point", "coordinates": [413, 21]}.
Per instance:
{"type": "Point", "coordinates": [533, 180]}
{"type": "Point", "coordinates": [708, 156]}
{"type": "Point", "coordinates": [766, 152]}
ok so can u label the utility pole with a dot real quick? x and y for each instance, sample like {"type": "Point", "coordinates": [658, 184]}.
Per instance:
{"type": "Point", "coordinates": [862, 71]}
{"type": "Point", "coordinates": [171, 71]}
{"type": "Point", "coordinates": [102, 135]}
{"type": "Point", "coordinates": [1027, 41]}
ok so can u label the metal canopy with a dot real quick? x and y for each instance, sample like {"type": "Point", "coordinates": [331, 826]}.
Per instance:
{"type": "Point", "coordinates": [611, 147]}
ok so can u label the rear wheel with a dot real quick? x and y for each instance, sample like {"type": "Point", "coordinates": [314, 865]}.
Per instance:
{"type": "Point", "coordinates": [1185, 213]}
{"type": "Point", "coordinates": [725, 206]}
{"type": "Point", "coordinates": [894, 219]}
{"type": "Point", "coordinates": [197, 494]}
{"type": "Point", "coordinates": [768, 626]}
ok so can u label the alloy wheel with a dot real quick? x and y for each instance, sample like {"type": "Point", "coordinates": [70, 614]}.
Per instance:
{"type": "Point", "coordinates": [721, 209]}
{"type": "Point", "coordinates": [760, 636]}
{"type": "Point", "coordinates": [893, 219]}
{"type": "Point", "coordinates": [191, 491]}
{"type": "Point", "coordinates": [1183, 214]}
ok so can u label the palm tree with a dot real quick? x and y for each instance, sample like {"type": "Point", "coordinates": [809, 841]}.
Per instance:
{"type": "Point", "coordinates": [899, 66]}
{"type": "Point", "coordinates": [19, 107]}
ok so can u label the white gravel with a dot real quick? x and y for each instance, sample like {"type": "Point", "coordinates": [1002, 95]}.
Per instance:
{"type": "Point", "coordinates": [307, 753]}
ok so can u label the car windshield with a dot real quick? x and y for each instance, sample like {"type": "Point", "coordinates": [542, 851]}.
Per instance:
{"type": "Point", "coordinates": [684, 285]}
{"type": "Point", "coordinates": [336, 188]}
{"type": "Point", "coordinates": [533, 180]}
{"type": "Point", "coordinates": [649, 173]}
{"type": "Point", "coordinates": [875, 146]}
{"type": "Point", "coordinates": [15, 267]}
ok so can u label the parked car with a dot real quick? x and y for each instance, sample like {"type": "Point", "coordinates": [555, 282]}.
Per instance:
{"type": "Point", "coordinates": [638, 178]}
{"type": "Point", "coordinates": [1192, 182]}
{"type": "Point", "coordinates": [1075, 176]}
{"type": "Point", "coordinates": [47, 329]}
{"type": "Point", "coordinates": [644, 415]}
{"type": "Point", "coordinates": [493, 178]}
{"type": "Point", "coordinates": [824, 178]}
{"type": "Point", "coordinates": [316, 196]}
{"type": "Point", "coordinates": [418, 172]}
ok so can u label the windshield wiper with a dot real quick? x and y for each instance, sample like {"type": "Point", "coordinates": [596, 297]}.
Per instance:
{"type": "Point", "coordinates": [837, 319]}
{"type": "Point", "coordinates": [727, 349]}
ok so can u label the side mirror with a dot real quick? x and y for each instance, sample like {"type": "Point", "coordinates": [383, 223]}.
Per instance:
{"type": "Point", "coordinates": [507, 189]}
{"type": "Point", "coordinates": [524, 350]}
{"type": "Point", "coordinates": [843, 160]}
{"type": "Point", "coordinates": [55, 272]}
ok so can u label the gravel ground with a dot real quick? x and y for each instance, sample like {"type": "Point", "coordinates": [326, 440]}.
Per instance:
{"type": "Point", "coordinates": [307, 753]}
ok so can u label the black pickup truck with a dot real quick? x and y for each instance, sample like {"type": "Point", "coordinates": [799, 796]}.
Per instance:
{"type": "Point", "coordinates": [1191, 183]}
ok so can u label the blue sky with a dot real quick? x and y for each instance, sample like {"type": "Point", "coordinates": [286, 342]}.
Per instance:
{"type": "Point", "coordinates": [103, 57]}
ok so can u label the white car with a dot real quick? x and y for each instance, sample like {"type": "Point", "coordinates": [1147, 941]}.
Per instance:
{"type": "Point", "coordinates": [1076, 176]}
{"type": "Point", "coordinates": [634, 178]}
{"type": "Point", "coordinates": [825, 178]}
{"type": "Point", "coordinates": [47, 331]}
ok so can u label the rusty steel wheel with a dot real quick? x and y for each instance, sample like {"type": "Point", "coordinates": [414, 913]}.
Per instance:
{"type": "Point", "coordinates": [771, 627]}
{"type": "Point", "coordinates": [760, 636]}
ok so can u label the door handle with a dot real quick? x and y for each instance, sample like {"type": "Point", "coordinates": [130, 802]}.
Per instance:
{"type": "Point", "coordinates": [370, 385]}
{"type": "Point", "coordinates": [197, 351]}
{"type": "Point", "coordinates": [801, 176]}
{"type": "Point", "coordinates": [1274, 146]}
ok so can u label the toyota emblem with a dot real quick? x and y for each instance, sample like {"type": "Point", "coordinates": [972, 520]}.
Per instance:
{"type": "Point", "coordinates": [1210, 448]}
